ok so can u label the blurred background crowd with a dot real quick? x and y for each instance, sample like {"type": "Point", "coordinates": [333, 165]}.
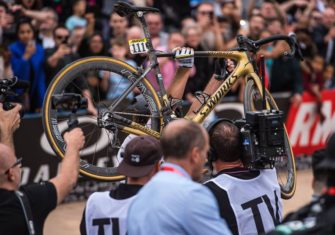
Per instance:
{"type": "Point", "coordinates": [38, 38]}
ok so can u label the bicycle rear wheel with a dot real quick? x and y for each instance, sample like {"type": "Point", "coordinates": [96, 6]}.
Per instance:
{"type": "Point", "coordinates": [98, 157]}
{"type": "Point", "coordinates": [286, 171]}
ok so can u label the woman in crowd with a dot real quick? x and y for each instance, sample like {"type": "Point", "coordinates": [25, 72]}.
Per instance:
{"type": "Point", "coordinates": [27, 60]}
{"type": "Point", "coordinates": [93, 46]}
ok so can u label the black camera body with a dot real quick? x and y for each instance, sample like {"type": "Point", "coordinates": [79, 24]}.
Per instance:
{"type": "Point", "coordinates": [8, 93]}
{"type": "Point", "coordinates": [263, 138]}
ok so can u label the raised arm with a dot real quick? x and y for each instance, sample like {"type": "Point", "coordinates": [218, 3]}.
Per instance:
{"type": "Point", "coordinates": [37, 15]}
{"type": "Point", "coordinates": [68, 174]}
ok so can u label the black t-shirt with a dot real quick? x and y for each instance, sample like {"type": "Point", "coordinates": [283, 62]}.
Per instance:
{"type": "Point", "coordinates": [42, 198]}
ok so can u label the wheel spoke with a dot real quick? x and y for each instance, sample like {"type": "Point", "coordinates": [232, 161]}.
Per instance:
{"type": "Point", "coordinates": [76, 80]}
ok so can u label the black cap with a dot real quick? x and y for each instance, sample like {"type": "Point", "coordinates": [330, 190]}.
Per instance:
{"type": "Point", "coordinates": [140, 156]}
{"type": "Point", "coordinates": [329, 162]}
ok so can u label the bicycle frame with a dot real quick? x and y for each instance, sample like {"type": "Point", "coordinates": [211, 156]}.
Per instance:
{"type": "Point", "coordinates": [244, 68]}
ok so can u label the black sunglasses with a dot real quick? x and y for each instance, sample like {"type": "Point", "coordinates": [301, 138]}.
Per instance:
{"type": "Point", "coordinates": [206, 12]}
{"type": "Point", "coordinates": [18, 162]}
{"type": "Point", "coordinates": [62, 37]}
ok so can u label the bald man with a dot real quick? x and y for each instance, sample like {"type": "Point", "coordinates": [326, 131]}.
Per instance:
{"type": "Point", "coordinates": [42, 198]}
{"type": "Point", "coordinates": [171, 202]}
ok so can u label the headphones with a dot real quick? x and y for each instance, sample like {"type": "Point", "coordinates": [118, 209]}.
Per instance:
{"type": "Point", "coordinates": [212, 153]}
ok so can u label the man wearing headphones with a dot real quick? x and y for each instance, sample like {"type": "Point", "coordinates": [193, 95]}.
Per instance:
{"type": "Point", "coordinates": [249, 200]}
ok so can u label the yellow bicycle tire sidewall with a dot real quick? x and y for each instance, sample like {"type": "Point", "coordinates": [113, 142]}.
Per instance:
{"type": "Point", "coordinates": [52, 87]}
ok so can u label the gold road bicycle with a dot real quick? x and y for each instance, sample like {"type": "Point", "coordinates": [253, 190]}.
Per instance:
{"type": "Point", "coordinates": [118, 117]}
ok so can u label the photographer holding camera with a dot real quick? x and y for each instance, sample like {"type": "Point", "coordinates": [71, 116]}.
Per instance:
{"type": "Point", "coordinates": [249, 200]}
{"type": "Point", "coordinates": [23, 210]}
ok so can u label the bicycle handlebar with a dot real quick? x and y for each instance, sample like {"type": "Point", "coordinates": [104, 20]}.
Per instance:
{"type": "Point", "coordinates": [172, 54]}
{"type": "Point", "coordinates": [126, 9]}
{"type": "Point", "coordinates": [246, 44]}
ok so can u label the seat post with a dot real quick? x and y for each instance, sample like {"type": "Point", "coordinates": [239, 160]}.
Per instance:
{"type": "Point", "coordinates": [153, 58]}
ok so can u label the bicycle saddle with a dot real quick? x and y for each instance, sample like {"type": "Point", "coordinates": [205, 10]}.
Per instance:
{"type": "Point", "coordinates": [125, 9]}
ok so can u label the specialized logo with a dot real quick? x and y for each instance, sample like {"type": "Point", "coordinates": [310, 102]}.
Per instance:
{"type": "Point", "coordinates": [216, 97]}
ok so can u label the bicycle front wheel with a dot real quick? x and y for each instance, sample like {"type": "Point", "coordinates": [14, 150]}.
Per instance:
{"type": "Point", "coordinates": [84, 78]}
{"type": "Point", "coordinates": [286, 171]}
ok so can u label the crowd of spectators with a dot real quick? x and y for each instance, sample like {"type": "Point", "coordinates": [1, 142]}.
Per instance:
{"type": "Point", "coordinates": [38, 38]}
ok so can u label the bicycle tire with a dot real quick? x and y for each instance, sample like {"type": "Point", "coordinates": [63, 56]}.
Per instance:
{"type": "Point", "coordinates": [288, 187]}
{"type": "Point", "coordinates": [53, 119]}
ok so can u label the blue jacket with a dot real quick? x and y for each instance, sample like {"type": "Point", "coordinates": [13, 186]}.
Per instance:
{"type": "Point", "coordinates": [171, 203]}
{"type": "Point", "coordinates": [22, 69]}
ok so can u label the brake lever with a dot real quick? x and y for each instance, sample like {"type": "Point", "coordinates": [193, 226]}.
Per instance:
{"type": "Point", "coordinates": [296, 51]}
{"type": "Point", "coordinates": [248, 44]}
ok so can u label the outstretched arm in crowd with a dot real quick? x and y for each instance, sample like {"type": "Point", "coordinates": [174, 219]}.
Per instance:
{"type": "Point", "coordinates": [36, 15]}
{"type": "Point", "coordinates": [9, 122]}
{"type": "Point", "coordinates": [68, 174]}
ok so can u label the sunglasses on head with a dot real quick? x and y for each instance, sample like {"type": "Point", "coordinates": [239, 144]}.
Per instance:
{"type": "Point", "coordinates": [18, 162]}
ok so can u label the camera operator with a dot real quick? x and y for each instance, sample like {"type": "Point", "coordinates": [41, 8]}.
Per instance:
{"type": "Point", "coordinates": [249, 200]}
{"type": "Point", "coordinates": [23, 210]}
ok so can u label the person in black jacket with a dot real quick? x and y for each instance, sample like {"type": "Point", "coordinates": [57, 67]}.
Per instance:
{"type": "Point", "coordinates": [43, 197]}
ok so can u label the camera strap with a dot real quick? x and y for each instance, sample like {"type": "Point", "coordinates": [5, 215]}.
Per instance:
{"type": "Point", "coordinates": [27, 211]}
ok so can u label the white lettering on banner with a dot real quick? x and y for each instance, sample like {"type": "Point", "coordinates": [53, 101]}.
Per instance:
{"type": "Point", "coordinates": [25, 175]}
{"type": "Point", "coordinates": [305, 119]}
{"type": "Point", "coordinates": [43, 174]}
{"type": "Point", "coordinates": [324, 129]}
{"type": "Point", "coordinates": [100, 144]}
{"type": "Point", "coordinates": [303, 122]}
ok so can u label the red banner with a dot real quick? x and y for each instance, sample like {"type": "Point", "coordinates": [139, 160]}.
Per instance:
{"type": "Point", "coordinates": [305, 130]}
